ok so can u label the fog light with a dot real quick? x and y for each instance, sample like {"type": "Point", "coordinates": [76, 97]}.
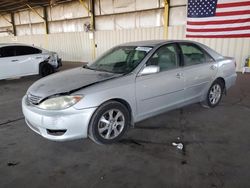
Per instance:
{"type": "Point", "coordinates": [56, 132]}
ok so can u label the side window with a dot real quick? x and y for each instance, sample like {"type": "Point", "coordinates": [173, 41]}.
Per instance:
{"type": "Point", "coordinates": [166, 57]}
{"type": "Point", "coordinates": [8, 51]}
{"type": "Point", "coordinates": [193, 55]}
{"type": "Point", "coordinates": [26, 50]}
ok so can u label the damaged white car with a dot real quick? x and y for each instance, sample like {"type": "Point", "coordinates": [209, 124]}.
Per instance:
{"type": "Point", "coordinates": [18, 60]}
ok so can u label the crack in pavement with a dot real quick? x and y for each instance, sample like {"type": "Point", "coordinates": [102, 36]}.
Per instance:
{"type": "Point", "coordinates": [11, 121]}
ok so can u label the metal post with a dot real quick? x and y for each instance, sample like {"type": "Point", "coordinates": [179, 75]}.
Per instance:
{"type": "Point", "coordinates": [46, 20]}
{"type": "Point", "coordinates": [91, 11]}
{"type": "Point", "coordinates": [13, 23]}
{"type": "Point", "coordinates": [166, 18]}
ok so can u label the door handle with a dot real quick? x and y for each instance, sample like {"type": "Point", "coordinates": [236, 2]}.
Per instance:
{"type": "Point", "coordinates": [179, 75]}
{"type": "Point", "coordinates": [14, 60]}
{"type": "Point", "coordinates": [38, 57]}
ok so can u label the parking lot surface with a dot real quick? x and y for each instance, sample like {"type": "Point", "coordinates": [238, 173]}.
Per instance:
{"type": "Point", "coordinates": [216, 148]}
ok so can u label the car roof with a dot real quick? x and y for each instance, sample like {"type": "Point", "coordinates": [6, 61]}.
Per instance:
{"type": "Point", "coordinates": [155, 43]}
{"type": "Point", "coordinates": [20, 44]}
{"type": "Point", "coordinates": [151, 43]}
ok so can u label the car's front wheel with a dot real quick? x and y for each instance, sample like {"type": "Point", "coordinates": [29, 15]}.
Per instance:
{"type": "Point", "coordinates": [109, 123]}
{"type": "Point", "coordinates": [46, 69]}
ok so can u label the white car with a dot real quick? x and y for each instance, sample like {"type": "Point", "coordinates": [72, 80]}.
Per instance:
{"type": "Point", "coordinates": [22, 60]}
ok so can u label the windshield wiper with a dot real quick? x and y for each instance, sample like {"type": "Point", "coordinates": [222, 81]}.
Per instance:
{"type": "Point", "coordinates": [97, 69]}
{"type": "Point", "coordinates": [100, 69]}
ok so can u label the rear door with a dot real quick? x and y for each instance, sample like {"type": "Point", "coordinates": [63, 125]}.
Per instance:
{"type": "Point", "coordinates": [28, 59]}
{"type": "Point", "coordinates": [8, 62]}
{"type": "Point", "coordinates": [160, 91]}
{"type": "Point", "coordinates": [199, 68]}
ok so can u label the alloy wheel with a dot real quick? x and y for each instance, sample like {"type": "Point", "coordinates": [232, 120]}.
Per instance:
{"type": "Point", "coordinates": [111, 124]}
{"type": "Point", "coordinates": [215, 94]}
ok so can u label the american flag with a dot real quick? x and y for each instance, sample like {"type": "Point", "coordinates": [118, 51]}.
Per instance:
{"type": "Point", "coordinates": [218, 18]}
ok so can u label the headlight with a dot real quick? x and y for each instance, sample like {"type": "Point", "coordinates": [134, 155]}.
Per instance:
{"type": "Point", "coordinates": [55, 56]}
{"type": "Point", "coordinates": [60, 103]}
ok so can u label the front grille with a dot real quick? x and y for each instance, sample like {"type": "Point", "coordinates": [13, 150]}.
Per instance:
{"type": "Point", "coordinates": [33, 99]}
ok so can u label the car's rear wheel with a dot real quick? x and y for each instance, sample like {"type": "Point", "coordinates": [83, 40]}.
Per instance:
{"type": "Point", "coordinates": [214, 94]}
{"type": "Point", "coordinates": [109, 123]}
{"type": "Point", "coordinates": [46, 69]}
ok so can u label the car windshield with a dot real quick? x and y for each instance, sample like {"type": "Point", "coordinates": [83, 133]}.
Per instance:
{"type": "Point", "coordinates": [120, 60]}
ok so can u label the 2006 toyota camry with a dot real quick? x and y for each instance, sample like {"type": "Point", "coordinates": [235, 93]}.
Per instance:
{"type": "Point", "coordinates": [129, 83]}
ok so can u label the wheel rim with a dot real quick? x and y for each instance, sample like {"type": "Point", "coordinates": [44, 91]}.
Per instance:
{"type": "Point", "coordinates": [111, 124]}
{"type": "Point", "coordinates": [215, 94]}
{"type": "Point", "coordinates": [45, 72]}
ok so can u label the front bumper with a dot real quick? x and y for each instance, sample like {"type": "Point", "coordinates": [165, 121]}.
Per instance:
{"type": "Point", "coordinates": [71, 123]}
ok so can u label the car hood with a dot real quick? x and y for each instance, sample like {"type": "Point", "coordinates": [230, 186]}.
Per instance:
{"type": "Point", "coordinates": [68, 81]}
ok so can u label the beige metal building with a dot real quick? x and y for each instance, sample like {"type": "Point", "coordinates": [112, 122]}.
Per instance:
{"type": "Point", "coordinates": [62, 26]}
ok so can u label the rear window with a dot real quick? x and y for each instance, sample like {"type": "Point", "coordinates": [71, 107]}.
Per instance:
{"type": "Point", "coordinates": [26, 50]}
{"type": "Point", "coordinates": [194, 55]}
{"type": "Point", "coordinates": [10, 51]}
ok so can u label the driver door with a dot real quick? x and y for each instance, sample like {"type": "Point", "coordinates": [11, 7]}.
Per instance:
{"type": "Point", "coordinates": [160, 91]}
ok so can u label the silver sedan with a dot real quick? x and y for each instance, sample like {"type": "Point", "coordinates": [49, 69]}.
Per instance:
{"type": "Point", "coordinates": [129, 83]}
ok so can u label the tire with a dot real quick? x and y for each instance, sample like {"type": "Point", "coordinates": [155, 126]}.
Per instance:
{"type": "Point", "coordinates": [109, 123]}
{"type": "Point", "coordinates": [46, 69]}
{"type": "Point", "coordinates": [214, 94]}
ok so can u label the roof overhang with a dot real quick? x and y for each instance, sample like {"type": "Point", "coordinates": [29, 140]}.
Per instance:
{"type": "Point", "coordinates": [10, 6]}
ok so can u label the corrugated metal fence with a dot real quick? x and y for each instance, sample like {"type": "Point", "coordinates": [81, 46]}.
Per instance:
{"type": "Point", "coordinates": [77, 46]}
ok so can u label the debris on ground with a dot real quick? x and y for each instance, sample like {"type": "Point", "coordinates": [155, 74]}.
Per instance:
{"type": "Point", "coordinates": [12, 163]}
{"type": "Point", "coordinates": [183, 162]}
{"type": "Point", "coordinates": [178, 145]}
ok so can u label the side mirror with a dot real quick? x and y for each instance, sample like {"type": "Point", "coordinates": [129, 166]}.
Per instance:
{"type": "Point", "coordinates": [151, 69]}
